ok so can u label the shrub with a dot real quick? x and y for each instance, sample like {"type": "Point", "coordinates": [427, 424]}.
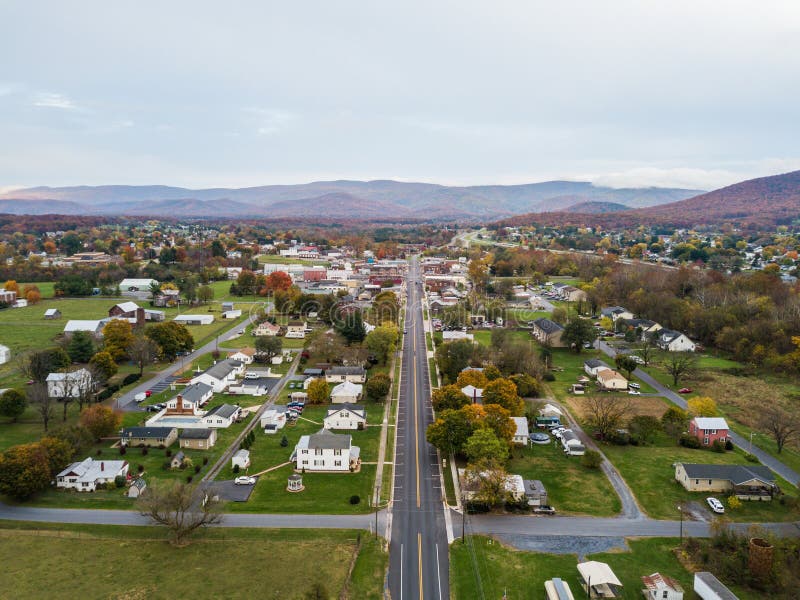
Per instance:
{"type": "Point", "coordinates": [99, 451]}
{"type": "Point", "coordinates": [215, 354]}
{"type": "Point", "coordinates": [100, 486]}
{"type": "Point", "coordinates": [140, 468]}
{"type": "Point", "coordinates": [235, 468]}
{"type": "Point", "coordinates": [130, 378]}
{"type": "Point", "coordinates": [122, 450]}
{"type": "Point", "coordinates": [284, 441]}
{"type": "Point", "coordinates": [197, 468]}
{"type": "Point", "coordinates": [189, 479]}
{"type": "Point", "coordinates": [592, 459]}
{"type": "Point", "coordinates": [734, 503]}
{"type": "Point", "coordinates": [355, 499]}
{"type": "Point", "coordinates": [751, 457]}
{"type": "Point", "coordinates": [168, 453]}
{"type": "Point", "coordinates": [548, 376]}
{"type": "Point", "coordinates": [166, 465]}
{"type": "Point", "coordinates": [205, 460]}
{"type": "Point", "coordinates": [689, 441]}
{"type": "Point", "coordinates": [728, 445]}
{"type": "Point", "coordinates": [119, 481]}
{"type": "Point", "coordinates": [718, 446]}
{"type": "Point", "coordinates": [144, 451]}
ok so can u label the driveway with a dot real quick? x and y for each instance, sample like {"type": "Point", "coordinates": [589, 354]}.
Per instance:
{"type": "Point", "coordinates": [228, 491]}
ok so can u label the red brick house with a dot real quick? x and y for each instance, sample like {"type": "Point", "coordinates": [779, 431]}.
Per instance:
{"type": "Point", "coordinates": [128, 310]}
{"type": "Point", "coordinates": [709, 429]}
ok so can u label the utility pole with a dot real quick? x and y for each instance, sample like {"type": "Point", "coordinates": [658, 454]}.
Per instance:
{"type": "Point", "coordinates": [680, 508]}
{"type": "Point", "coordinates": [377, 507]}
{"type": "Point", "coordinates": [750, 449]}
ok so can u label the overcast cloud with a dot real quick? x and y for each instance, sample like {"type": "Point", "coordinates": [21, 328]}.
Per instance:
{"type": "Point", "coordinates": [623, 92]}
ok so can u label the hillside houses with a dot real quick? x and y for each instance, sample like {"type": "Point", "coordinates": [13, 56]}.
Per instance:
{"type": "Point", "coordinates": [548, 332]}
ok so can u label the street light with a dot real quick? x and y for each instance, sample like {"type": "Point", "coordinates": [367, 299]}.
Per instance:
{"type": "Point", "coordinates": [377, 507]}
{"type": "Point", "coordinates": [750, 449]}
{"type": "Point", "coordinates": [680, 508]}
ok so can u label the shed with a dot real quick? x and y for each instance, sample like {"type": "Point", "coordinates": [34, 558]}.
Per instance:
{"type": "Point", "coordinates": [52, 313]}
{"type": "Point", "coordinates": [177, 460]}
{"type": "Point", "coordinates": [137, 487]}
{"type": "Point", "coordinates": [241, 459]}
{"type": "Point", "coordinates": [598, 580]}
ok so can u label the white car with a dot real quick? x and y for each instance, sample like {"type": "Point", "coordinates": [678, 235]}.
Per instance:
{"type": "Point", "coordinates": [633, 392]}
{"type": "Point", "coordinates": [634, 385]}
{"type": "Point", "coordinates": [244, 480]}
{"type": "Point", "coordinates": [716, 505]}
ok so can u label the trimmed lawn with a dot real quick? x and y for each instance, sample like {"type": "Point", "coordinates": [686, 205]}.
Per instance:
{"type": "Point", "coordinates": [136, 562]}
{"type": "Point", "coordinates": [649, 472]}
{"type": "Point", "coordinates": [571, 488]}
{"type": "Point", "coordinates": [46, 288]}
{"type": "Point", "coordinates": [325, 492]}
{"type": "Point", "coordinates": [522, 574]}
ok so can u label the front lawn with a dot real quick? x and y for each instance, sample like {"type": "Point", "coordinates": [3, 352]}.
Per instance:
{"type": "Point", "coordinates": [571, 487]}
{"type": "Point", "coordinates": [649, 472]}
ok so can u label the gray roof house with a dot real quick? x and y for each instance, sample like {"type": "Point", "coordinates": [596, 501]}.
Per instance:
{"type": "Point", "coordinates": [548, 332]}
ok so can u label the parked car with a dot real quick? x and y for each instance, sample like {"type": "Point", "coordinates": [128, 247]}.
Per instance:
{"type": "Point", "coordinates": [634, 385]}
{"type": "Point", "coordinates": [292, 385]}
{"type": "Point", "coordinates": [544, 510]}
{"type": "Point", "coordinates": [148, 393]}
{"type": "Point", "coordinates": [633, 392]}
{"type": "Point", "coordinates": [637, 359]}
{"type": "Point", "coordinates": [140, 397]}
{"type": "Point", "coordinates": [244, 480]}
{"type": "Point", "coordinates": [716, 505]}
{"type": "Point", "coordinates": [685, 391]}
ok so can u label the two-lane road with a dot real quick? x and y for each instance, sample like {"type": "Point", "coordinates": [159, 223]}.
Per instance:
{"type": "Point", "coordinates": [418, 554]}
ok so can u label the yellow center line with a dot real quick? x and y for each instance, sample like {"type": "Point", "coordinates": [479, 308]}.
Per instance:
{"type": "Point", "coordinates": [419, 547]}
{"type": "Point", "coordinates": [416, 421]}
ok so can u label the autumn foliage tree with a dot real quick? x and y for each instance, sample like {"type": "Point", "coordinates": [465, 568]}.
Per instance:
{"type": "Point", "coordinates": [702, 406]}
{"type": "Point", "coordinates": [276, 281]}
{"type": "Point", "coordinates": [117, 337]}
{"type": "Point", "coordinates": [448, 397]}
{"type": "Point", "coordinates": [503, 392]}
{"type": "Point", "coordinates": [24, 471]}
{"type": "Point", "coordinates": [100, 420]}
{"type": "Point", "coordinates": [317, 391]}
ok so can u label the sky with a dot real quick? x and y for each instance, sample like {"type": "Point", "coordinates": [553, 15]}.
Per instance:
{"type": "Point", "coordinates": [694, 94]}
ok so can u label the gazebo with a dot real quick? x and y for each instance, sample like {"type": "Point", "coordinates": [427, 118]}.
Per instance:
{"type": "Point", "coordinates": [295, 483]}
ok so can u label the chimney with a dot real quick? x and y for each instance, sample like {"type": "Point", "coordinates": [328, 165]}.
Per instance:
{"type": "Point", "coordinates": [102, 466]}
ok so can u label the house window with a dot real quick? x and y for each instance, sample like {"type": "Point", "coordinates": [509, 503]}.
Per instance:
{"type": "Point", "coordinates": [305, 462]}
{"type": "Point", "coordinates": [713, 432]}
{"type": "Point", "coordinates": [304, 452]}
{"type": "Point", "coordinates": [318, 451]}
{"type": "Point", "coordinates": [337, 452]}
{"type": "Point", "coordinates": [665, 594]}
{"type": "Point", "coordinates": [705, 441]}
{"type": "Point", "coordinates": [85, 484]}
{"type": "Point", "coordinates": [337, 463]}
{"type": "Point", "coordinates": [697, 482]}
{"type": "Point", "coordinates": [319, 463]}
{"type": "Point", "coordinates": [709, 482]}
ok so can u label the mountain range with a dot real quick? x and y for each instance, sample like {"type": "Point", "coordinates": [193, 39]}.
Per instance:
{"type": "Point", "coordinates": [755, 203]}
{"type": "Point", "coordinates": [371, 200]}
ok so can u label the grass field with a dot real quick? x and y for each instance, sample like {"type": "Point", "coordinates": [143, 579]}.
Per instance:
{"type": "Point", "coordinates": [523, 574]}
{"type": "Point", "coordinates": [136, 562]}
{"type": "Point", "coordinates": [570, 367]}
{"type": "Point", "coordinates": [325, 492]}
{"type": "Point", "coordinates": [649, 472]}
{"type": "Point", "coordinates": [571, 487]}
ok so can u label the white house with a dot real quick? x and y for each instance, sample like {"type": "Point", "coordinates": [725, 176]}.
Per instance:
{"type": "Point", "coordinates": [296, 330]}
{"type": "Point", "coordinates": [5, 354]}
{"type": "Point", "coordinates": [220, 375]}
{"type": "Point", "coordinates": [609, 379]}
{"type": "Point", "coordinates": [241, 459]}
{"type": "Point", "coordinates": [232, 314]}
{"type": "Point", "coordinates": [266, 329]}
{"type": "Point", "coordinates": [87, 474]}
{"type": "Point", "coordinates": [243, 355]}
{"type": "Point", "coordinates": [70, 385]}
{"type": "Point", "coordinates": [346, 393]}
{"type": "Point", "coordinates": [253, 386]}
{"type": "Point", "coordinates": [194, 319]}
{"type": "Point", "coordinates": [273, 419]}
{"type": "Point", "coordinates": [661, 587]}
{"type": "Point", "coordinates": [674, 341]}
{"type": "Point", "coordinates": [341, 374]}
{"type": "Point", "coordinates": [521, 433]}
{"type": "Point", "coordinates": [345, 416]}
{"type": "Point", "coordinates": [326, 451]}
{"type": "Point", "coordinates": [222, 416]}
{"type": "Point", "coordinates": [593, 365]}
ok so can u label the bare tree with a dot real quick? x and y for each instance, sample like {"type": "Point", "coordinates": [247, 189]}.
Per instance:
{"type": "Point", "coordinates": [680, 365]}
{"type": "Point", "coordinates": [607, 412]}
{"type": "Point", "coordinates": [39, 398]}
{"type": "Point", "coordinates": [85, 385]}
{"type": "Point", "coordinates": [180, 507]}
{"type": "Point", "coordinates": [142, 351]}
{"type": "Point", "coordinates": [646, 350]}
{"type": "Point", "coordinates": [778, 422]}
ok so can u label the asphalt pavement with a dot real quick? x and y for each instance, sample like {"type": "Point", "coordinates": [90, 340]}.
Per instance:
{"type": "Point", "coordinates": [418, 551]}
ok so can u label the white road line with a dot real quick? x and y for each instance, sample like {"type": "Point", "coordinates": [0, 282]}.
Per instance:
{"type": "Point", "coordinates": [438, 574]}
{"type": "Point", "coordinates": [401, 571]}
